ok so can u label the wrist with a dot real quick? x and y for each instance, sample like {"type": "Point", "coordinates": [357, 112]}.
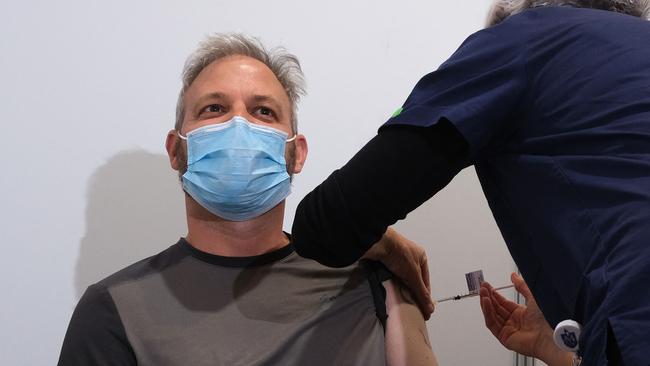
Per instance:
{"type": "Point", "coordinates": [549, 353]}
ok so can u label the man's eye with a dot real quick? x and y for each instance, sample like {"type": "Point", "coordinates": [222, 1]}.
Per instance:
{"type": "Point", "coordinates": [214, 108]}
{"type": "Point", "coordinates": [265, 111]}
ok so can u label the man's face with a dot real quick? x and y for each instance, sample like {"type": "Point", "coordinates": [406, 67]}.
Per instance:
{"type": "Point", "coordinates": [237, 86]}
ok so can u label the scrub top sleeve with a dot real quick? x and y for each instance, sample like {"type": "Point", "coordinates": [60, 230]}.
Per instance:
{"type": "Point", "coordinates": [478, 89]}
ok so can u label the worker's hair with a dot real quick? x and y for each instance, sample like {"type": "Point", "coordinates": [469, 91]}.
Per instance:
{"type": "Point", "coordinates": [284, 65]}
{"type": "Point", "coordinates": [505, 8]}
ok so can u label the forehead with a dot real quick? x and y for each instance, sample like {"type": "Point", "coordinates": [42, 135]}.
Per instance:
{"type": "Point", "coordinates": [237, 77]}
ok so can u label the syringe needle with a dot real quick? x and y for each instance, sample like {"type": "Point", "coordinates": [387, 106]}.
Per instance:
{"type": "Point", "coordinates": [448, 298]}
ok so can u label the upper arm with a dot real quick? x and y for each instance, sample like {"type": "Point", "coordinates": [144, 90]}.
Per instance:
{"type": "Point", "coordinates": [95, 335]}
{"type": "Point", "coordinates": [407, 339]}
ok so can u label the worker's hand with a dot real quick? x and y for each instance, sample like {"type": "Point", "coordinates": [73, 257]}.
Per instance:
{"type": "Point", "coordinates": [407, 261]}
{"type": "Point", "coordinates": [520, 328]}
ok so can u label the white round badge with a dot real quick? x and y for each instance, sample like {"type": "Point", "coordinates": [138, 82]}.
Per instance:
{"type": "Point", "coordinates": [567, 335]}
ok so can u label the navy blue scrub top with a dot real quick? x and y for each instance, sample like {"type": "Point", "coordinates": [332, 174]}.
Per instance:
{"type": "Point", "coordinates": [555, 105]}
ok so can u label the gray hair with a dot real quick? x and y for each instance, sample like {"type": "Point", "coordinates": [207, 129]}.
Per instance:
{"type": "Point", "coordinates": [505, 8]}
{"type": "Point", "coordinates": [284, 65]}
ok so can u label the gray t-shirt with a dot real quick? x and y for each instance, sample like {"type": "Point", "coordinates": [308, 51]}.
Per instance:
{"type": "Point", "coordinates": [187, 307]}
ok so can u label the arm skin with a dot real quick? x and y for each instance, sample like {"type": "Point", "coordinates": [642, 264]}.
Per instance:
{"type": "Point", "coordinates": [407, 339]}
{"type": "Point", "coordinates": [521, 328]}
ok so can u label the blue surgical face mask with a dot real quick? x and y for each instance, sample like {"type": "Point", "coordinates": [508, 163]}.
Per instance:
{"type": "Point", "coordinates": [236, 169]}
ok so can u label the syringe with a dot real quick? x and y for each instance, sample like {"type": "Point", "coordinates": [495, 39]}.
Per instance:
{"type": "Point", "coordinates": [471, 294]}
{"type": "Point", "coordinates": [474, 280]}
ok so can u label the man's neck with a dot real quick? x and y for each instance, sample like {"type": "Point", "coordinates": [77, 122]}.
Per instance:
{"type": "Point", "coordinates": [214, 235]}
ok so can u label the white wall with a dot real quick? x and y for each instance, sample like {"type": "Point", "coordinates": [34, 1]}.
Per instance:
{"type": "Point", "coordinates": [87, 93]}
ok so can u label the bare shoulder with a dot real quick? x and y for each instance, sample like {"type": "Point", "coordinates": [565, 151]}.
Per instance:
{"type": "Point", "coordinates": [407, 339]}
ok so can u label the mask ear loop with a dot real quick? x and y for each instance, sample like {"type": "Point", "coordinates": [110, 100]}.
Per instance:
{"type": "Point", "coordinates": [293, 138]}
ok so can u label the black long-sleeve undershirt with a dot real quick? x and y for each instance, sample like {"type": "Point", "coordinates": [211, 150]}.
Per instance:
{"type": "Point", "coordinates": [398, 170]}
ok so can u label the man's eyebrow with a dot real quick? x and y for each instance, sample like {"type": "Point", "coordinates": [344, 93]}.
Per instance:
{"type": "Point", "coordinates": [212, 95]}
{"type": "Point", "coordinates": [268, 99]}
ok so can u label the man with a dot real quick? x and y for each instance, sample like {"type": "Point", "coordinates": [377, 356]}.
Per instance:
{"type": "Point", "coordinates": [233, 292]}
{"type": "Point", "coordinates": [551, 103]}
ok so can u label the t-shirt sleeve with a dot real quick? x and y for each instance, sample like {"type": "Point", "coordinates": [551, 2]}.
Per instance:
{"type": "Point", "coordinates": [96, 336]}
{"type": "Point", "coordinates": [479, 90]}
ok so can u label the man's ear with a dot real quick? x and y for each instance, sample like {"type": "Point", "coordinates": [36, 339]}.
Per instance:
{"type": "Point", "coordinates": [172, 146]}
{"type": "Point", "coordinates": [300, 153]}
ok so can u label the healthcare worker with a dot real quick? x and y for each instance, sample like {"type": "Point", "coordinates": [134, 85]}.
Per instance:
{"type": "Point", "coordinates": [551, 104]}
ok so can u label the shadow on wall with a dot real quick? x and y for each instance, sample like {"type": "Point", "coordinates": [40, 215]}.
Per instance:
{"type": "Point", "coordinates": [135, 209]}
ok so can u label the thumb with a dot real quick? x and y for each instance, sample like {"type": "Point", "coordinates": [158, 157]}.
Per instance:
{"type": "Point", "coordinates": [522, 287]}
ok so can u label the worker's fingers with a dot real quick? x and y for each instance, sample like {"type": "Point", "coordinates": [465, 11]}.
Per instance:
{"type": "Point", "coordinates": [485, 301]}
{"type": "Point", "coordinates": [422, 296]}
{"type": "Point", "coordinates": [491, 321]}
{"type": "Point", "coordinates": [408, 261]}
{"type": "Point", "coordinates": [485, 292]}
{"type": "Point", "coordinates": [419, 277]}
{"type": "Point", "coordinates": [509, 305]}
{"type": "Point", "coordinates": [522, 287]}
{"type": "Point", "coordinates": [499, 314]}
{"type": "Point", "coordinates": [499, 298]}
{"type": "Point", "coordinates": [487, 285]}
{"type": "Point", "coordinates": [425, 273]}
{"type": "Point", "coordinates": [503, 307]}
{"type": "Point", "coordinates": [408, 271]}
{"type": "Point", "coordinates": [427, 284]}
